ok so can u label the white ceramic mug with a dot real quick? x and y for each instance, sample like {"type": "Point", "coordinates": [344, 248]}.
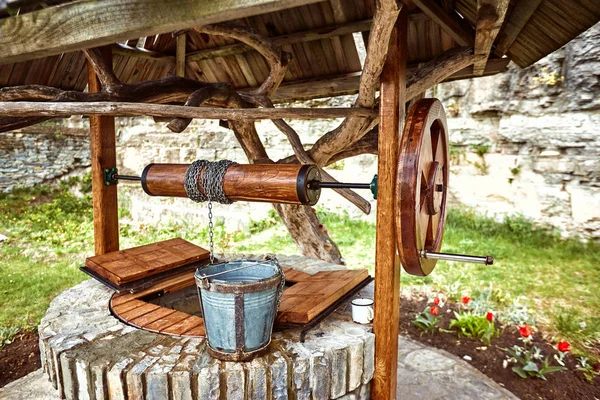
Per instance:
{"type": "Point", "coordinates": [362, 310]}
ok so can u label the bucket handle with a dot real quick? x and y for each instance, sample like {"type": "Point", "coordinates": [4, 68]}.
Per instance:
{"type": "Point", "coordinates": [268, 257]}
{"type": "Point", "coordinates": [273, 258]}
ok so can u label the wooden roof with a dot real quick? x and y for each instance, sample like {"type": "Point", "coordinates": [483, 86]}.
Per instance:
{"type": "Point", "coordinates": [318, 36]}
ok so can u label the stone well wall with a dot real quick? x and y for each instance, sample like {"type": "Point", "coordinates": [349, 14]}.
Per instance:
{"type": "Point", "coordinates": [89, 354]}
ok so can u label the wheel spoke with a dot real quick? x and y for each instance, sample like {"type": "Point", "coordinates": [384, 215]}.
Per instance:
{"type": "Point", "coordinates": [423, 225]}
{"type": "Point", "coordinates": [439, 151]}
{"type": "Point", "coordinates": [426, 154]}
{"type": "Point", "coordinates": [435, 224]}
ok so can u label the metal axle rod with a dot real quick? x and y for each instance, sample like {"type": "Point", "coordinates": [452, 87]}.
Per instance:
{"type": "Point", "coordinates": [127, 177]}
{"type": "Point", "coordinates": [487, 260]}
{"type": "Point", "coordinates": [340, 185]}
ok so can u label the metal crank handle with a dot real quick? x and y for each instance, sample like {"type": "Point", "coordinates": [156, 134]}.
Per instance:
{"type": "Point", "coordinates": [487, 260]}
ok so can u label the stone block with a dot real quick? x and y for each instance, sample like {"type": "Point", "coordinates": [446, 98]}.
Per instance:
{"type": "Point", "coordinates": [355, 348]}
{"type": "Point", "coordinates": [258, 385]}
{"type": "Point", "coordinates": [117, 389]}
{"type": "Point", "coordinates": [209, 385]}
{"type": "Point", "coordinates": [235, 380]}
{"type": "Point", "coordinates": [157, 381]}
{"type": "Point", "coordinates": [279, 377]}
{"type": "Point", "coordinates": [135, 378]}
{"type": "Point", "coordinates": [320, 378]}
{"type": "Point", "coordinates": [368, 357]}
{"type": "Point", "coordinates": [181, 378]}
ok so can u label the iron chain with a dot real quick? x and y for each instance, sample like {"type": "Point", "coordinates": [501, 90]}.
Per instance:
{"type": "Point", "coordinates": [211, 182]}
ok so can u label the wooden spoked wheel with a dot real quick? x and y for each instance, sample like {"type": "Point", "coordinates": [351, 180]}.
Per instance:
{"type": "Point", "coordinates": [421, 185]}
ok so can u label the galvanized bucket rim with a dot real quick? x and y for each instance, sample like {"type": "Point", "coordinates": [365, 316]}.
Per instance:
{"type": "Point", "coordinates": [225, 287]}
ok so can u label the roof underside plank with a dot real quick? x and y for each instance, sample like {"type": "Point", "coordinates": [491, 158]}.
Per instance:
{"type": "Point", "coordinates": [553, 24]}
{"type": "Point", "coordinates": [84, 24]}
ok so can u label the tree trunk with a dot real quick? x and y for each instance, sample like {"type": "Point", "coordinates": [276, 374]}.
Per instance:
{"type": "Point", "coordinates": [308, 233]}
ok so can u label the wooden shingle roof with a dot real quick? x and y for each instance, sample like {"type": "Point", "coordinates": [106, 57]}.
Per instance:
{"type": "Point", "coordinates": [321, 37]}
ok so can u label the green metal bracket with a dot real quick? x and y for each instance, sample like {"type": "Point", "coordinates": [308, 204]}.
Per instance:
{"type": "Point", "coordinates": [373, 187]}
{"type": "Point", "coordinates": [109, 174]}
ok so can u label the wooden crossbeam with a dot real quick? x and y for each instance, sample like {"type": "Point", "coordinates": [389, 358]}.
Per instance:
{"type": "Point", "coordinates": [318, 87]}
{"type": "Point", "coordinates": [67, 109]}
{"type": "Point", "coordinates": [519, 17]}
{"type": "Point", "coordinates": [298, 37]}
{"type": "Point", "coordinates": [490, 17]}
{"type": "Point", "coordinates": [446, 70]}
{"type": "Point", "coordinates": [493, 66]}
{"type": "Point", "coordinates": [437, 70]}
{"type": "Point", "coordinates": [457, 28]}
{"type": "Point", "coordinates": [84, 23]}
{"type": "Point", "coordinates": [136, 52]}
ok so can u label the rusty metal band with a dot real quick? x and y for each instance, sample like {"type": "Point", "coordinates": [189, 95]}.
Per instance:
{"type": "Point", "coordinates": [241, 356]}
{"type": "Point", "coordinates": [247, 288]}
{"type": "Point", "coordinates": [143, 180]}
{"type": "Point", "coordinates": [240, 343]}
{"type": "Point", "coordinates": [306, 194]}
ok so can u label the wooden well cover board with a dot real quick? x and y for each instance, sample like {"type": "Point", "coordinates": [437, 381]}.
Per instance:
{"type": "Point", "coordinates": [306, 299]}
{"type": "Point", "coordinates": [141, 262]}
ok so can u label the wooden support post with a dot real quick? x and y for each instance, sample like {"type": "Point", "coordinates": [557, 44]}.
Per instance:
{"type": "Point", "coordinates": [180, 54]}
{"type": "Point", "coordinates": [104, 155]}
{"type": "Point", "coordinates": [490, 17]}
{"type": "Point", "coordinates": [387, 273]}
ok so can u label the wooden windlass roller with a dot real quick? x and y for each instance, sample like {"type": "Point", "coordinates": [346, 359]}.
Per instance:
{"type": "Point", "coordinates": [272, 183]}
{"type": "Point", "coordinates": [421, 186]}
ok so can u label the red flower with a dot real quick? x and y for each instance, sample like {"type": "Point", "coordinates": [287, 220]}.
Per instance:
{"type": "Point", "coordinates": [434, 310]}
{"type": "Point", "coordinates": [563, 347]}
{"type": "Point", "coordinates": [436, 301]}
{"type": "Point", "coordinates": [466, 300]}
{"type": "Point", "coordinates": [525, 331]}
{"type": "Point", "coordinates": [489, 316]}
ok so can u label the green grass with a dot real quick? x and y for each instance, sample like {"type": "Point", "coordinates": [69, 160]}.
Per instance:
{"type": "Point", "coordinates": [50, 233]}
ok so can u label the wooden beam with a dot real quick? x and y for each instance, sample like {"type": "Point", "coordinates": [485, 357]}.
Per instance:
{"type": "Point", "coordinates": [493, 67]}
{"type": "Point", "coordinates": [107, 108]}
{"type": "Point", "coordinates": [490, 17]}
{"type": "Point", "coordinates": [180, 55]}
{"type": "Point", "coordinates": [84, 23]}
{"type": "Point", "coordinates": [437, 70]}
{"type": "Point", "coordinates": [519, 17]}
{"type": "Point", "coordinates": [104, 155]}
{"type": "Point", "coordinates": [456, 27]}
{"type": "Point", "coordinates": [451, 65]}
{"type": "Point", "coordinates": [387, 273]}
{"type": "Point", "coordinates": [292, 38]}
{"type": "Point", "coordinates": [318, 87]}
{"type": "Point", "coordinates": [136, 52]}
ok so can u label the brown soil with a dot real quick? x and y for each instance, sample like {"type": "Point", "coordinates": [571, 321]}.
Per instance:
{"type": "Point", "coordinates": [19, 358]}
{"type": "Point", "coordinates": [561, 385]}
{"type": "Point", "coordinates": [22, 357]}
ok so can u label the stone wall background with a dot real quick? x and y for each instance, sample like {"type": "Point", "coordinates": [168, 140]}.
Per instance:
{"type": "Point", "coordinates": [39, 154]}
{"type": "Point", "coordinates": [522, 142]}
{"type": "Point", "coordinates": [526, 141]}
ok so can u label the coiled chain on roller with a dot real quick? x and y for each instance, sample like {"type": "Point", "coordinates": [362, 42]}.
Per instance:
{"type": "Point", "coordinates": [212, 184]}
{"type": "Point", "coordinates": [211, 181]}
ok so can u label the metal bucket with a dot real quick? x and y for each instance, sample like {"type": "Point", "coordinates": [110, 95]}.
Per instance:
{"type": "Point", "coordinates": [239, 301]}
